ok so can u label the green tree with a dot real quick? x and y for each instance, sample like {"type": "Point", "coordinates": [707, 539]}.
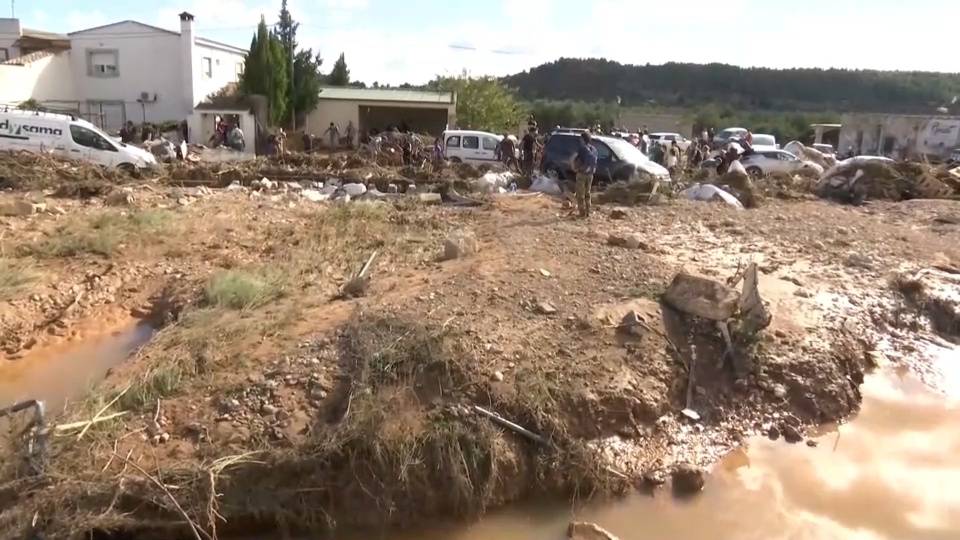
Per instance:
{"type": "Point", "coordinates": [695, 85]}
{"type": "Point", "coordinates": [482, 102]}
{"type": "Point", "coordinates": [340, 74]}
{"type": "Point", "coordinates": [303, 92]}
{"type": "Point", "coordinates": [265, 73]}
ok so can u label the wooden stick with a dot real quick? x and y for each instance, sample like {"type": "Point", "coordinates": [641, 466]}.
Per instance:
{"type": "Point", "coordinates": [183, 513]}
{"type": "Point", "coordinates": [101, 411]}
{"type": "Point", "coordinates": [75, 425]}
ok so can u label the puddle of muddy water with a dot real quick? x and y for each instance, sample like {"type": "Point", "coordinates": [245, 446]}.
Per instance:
{"type": "Point", "coordinates": [890, 474]}
{"type": "Point", "coordinates": [65, 372]}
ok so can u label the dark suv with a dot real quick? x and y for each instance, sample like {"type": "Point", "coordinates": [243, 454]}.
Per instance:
{"type": "Point", "coordinates": [617, 159]}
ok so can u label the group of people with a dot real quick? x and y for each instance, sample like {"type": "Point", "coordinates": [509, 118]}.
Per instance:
{"type": "Point", "coordinates": [530, 147]}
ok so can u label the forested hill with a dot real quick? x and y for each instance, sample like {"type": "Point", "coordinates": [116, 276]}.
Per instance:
{"type": "Point", "coordinates": [686, 85]}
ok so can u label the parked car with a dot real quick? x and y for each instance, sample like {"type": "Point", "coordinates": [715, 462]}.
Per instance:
{"type": "Point", "coordinates": [67, 136]}
{"type": "Point", "coordinates": [763, 139]}
{"type": "Point", "coordinates": [722, 138]}
{"type": "Point", "coordinates": [474, 147]}
{"type": "Point", "coordinates": [825, 149]}
{"type": "Point", "coordinates": [767, 159]}
{"type": "Point", "coordinates": [617, 159]}
{"type": "Point", "coordinates": [667, 138]}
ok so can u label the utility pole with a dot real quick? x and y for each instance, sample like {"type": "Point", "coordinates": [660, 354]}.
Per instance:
{"type": "Point", "coordinates": [13, 9]}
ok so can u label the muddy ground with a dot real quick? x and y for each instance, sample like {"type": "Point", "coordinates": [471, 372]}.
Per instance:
{"type": "Point", "coordinates": [270, 400]}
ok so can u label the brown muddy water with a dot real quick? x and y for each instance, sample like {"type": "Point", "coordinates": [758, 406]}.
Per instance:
{"type": "Point", "coordinates": [66, 371]}
{"type": "Point", "coordinates": [892, 473]}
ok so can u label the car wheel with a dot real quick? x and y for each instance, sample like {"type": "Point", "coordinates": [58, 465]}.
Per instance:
{"type": "Point", "coordinates": [455, 160]}
{"type": "Point", "coordinates": [130, 169]}
{"type": "Point", "coordinates": [754, 172]}
{"type": "Point", "coordinates": [555, 173]}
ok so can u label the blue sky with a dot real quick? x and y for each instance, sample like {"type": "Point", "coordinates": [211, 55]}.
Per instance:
{"type": "Point", "coordinates": [411, 41]}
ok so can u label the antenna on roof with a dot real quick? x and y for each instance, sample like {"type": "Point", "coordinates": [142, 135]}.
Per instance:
{"type": "Point", "coordinates": [13, 9]}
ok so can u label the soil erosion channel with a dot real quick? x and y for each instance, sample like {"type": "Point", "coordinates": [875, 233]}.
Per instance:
{"type": "Point", "coordinates": [886, 475]}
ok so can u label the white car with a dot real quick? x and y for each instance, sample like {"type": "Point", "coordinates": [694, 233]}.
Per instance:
{"type": "Point", "coordinates": [666, 139]}
{"type": "Point", "coordinates": [473, 147]}
{"type": "Point", "coordinates": [770, 160]}
{"type": "Point", "coordinates": [67, 136]}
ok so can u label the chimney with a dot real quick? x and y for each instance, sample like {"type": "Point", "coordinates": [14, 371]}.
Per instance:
{"type": "Point", "coordinates": [188, 61]}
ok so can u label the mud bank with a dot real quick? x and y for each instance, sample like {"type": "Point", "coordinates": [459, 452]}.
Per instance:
{"type": "Point", "coordinates": [272, 403]}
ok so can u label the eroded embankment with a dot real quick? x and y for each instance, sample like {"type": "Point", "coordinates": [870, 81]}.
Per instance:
{"type": "Point", "coordinates": [271, 402]}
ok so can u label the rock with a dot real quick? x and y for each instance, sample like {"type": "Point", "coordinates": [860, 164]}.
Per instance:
{"type": "Point", "coordinates": [120, 198]}
{"type": "Point", "coordinates": [616, 239]}
{"type": "Point", "coordinates": [268, 409]}
{"type": "Point", "coordinates": [583, 530]}
{"type": "Point", "coordinates": [545, 308]}
{"type": "Point", "coordinates": [632, 323]}
{"type": "Point", "coordinates": [430, 198]}
{"type": "Point", "coordinates": [791, 434]}
{"type": "Point", "coordinates": [702, 297]}
{"type": "Point", "coordinates": [773, 433]}
{"type": "Point", "coordinates": [618, 214]}
{"type": "Point", "coordinates": [459, 244]}
{"type": "Point", "coordinates": [318, 393]}
{"type": "Point", "coordinates": [22, 208]}
{"type": "Point", "coordinates": [688, 479]}
{"type": "Point", "coordinates": [498, 376]}
{"type": "Point", "coordinates": [634, 242]}
{"type": "Point", "coordinates": [779, 391]}
{"type": "Point", "coordinates": [153, 429]}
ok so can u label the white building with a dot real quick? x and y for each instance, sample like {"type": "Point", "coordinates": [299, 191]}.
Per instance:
{"type": "Point", "coordinates": [122, 71]}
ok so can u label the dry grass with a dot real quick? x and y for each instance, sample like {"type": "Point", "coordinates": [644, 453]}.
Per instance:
{"type": "Point", "coordinates": [105, 234]}
{"type": "Point", "coordinates": [15, 277]}
{"type": "Point", "coordinates": [401, 443]}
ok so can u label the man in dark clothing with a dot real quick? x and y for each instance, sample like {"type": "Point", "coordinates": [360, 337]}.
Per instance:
{"type": "Point", "coordinates": [128, 133]}
{"type": "Point", "coordinates": [528, 147]}
{"type": "Point", "coordinates": [585, 164]}
{"type": "Point", "coordinates": [508, 151]}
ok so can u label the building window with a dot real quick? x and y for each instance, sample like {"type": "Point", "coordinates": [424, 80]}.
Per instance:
{"type": "Point", "coordinates": [239, 70]}
{"type": "Point", "coordinates": [103, 63]}
{"type": "Point", "coordinates": [207, 67]}
{"type": "Point", "coordinates": [4, 54]}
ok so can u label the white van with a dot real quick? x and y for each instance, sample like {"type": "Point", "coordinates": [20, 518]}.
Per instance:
{"type": "Point", "coordinates": [67, 136]}
{"type": "Point", "coordinates": [474, 147]}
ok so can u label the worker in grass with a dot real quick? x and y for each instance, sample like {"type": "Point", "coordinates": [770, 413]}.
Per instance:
{"type": "Point", "coordinates": [585, 165]}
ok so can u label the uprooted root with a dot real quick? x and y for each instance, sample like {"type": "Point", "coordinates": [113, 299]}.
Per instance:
{"type": "Point", "coordinates": [397, 445]}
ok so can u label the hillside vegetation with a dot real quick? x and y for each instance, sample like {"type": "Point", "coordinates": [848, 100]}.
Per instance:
{"type": "Point", "coordinates": [691, 86]}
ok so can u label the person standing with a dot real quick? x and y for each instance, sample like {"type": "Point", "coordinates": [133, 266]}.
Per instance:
{"type": "Point", "coordinates": [585, 164]}
{"type": "Point", "coordinates": [334, 133]}
{"type": "Point", "coordinates": [528, 147]}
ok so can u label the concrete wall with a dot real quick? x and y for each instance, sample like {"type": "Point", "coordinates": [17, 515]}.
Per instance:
{"type": "Point", "coordinates": [226, 68]}
{"type": "Point", "coordinates": [899, 136]}
{"type": "Point", "coordinates": [201, 125]}
{"type": "Point", "coordinates": [148, 61]}
{"type": "Point", "coordinates": [343, 111]}
{"type": "Point", "coordinates": [165, 65]}
{"type": "Point", "coordinates": [46, 79]}
{"type": "Point", "coordinates": [10, 32]}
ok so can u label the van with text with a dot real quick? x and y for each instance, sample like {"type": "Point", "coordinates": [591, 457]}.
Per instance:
{"type": "Point", "coordinates": [67, 136]}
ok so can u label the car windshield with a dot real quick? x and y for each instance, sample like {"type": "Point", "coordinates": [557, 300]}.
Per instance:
{"type": "Point", "coordinates": [626, 151]}
{"type": "Point", "coordinates": [767, 140]}
{"type": "Point", "coordinates": [727, 133]}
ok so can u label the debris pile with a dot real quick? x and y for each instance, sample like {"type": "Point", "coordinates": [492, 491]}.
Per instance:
{"type": "Point", "coordinates": [861, 178]}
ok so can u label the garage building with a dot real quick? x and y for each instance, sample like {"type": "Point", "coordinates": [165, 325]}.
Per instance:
{"type": "Point", "coordinates": [369, 108]}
